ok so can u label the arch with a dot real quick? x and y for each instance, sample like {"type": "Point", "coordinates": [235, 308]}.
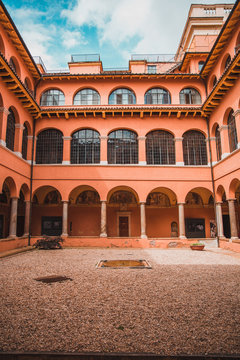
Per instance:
{"type": "Point", "coordinates": [225, 62]}
{"type": "Point", "coordinates": [160, 147]}
{"type": "Point", "coordinates": [26, 191]}
{"type": "Point", "coordinates": [15, 65]}
{"type": "Point", "coordinates": [122, 96]}
{"type": "Point", "coordinates": [28, 84]}
{"type": "Point", "coordinates": [168, 192]}
{"type": "Point", "coordinates": [4, 195]}
{"type": "Point", "coordinates": [49, 147]}
{"type": "Point", "coordinates": [41, 192]}
{"type": "Point", "coordinates": [232, 132]}
{"type": "Point", "coordinates": [157, 95]}
{"type": "Point", "coordinates": [212, 82]}
{"type": "Point", "coordinates": [233, 187]}
{"type": "Point", "coordinates": [122, 188]}
{"type": "Point", "coordinates": [219, 193]}
{"type": "Point", "coordinates": [2, 46]}
{"type": "Point", "coordinates": [10, 183]}
{"type": "Point", "coordinates": [25, 141]}
{"type": "Point", "coordinates": [85, 147]}
{"type": "Point", "coordinates": [52, 97]}
{"type": "Point", "coordinates": [86, 96]}
{"type": "Point", "coordinates": [194, 148]}
{"type": "Point", "coordinates": [122, 147]}
{"type": "Point", "coordinates": [237, 44]}
{"type": "Point", "coordinates": [74, 193]}
{"type": "Point", "coordinates": [190, 96]}
{"type": "Point", "coordinates": [198, 196]}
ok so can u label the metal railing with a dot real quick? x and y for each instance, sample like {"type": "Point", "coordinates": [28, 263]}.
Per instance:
{"type": "Point", "coordinates": [85, 57]}
{"type": "Point", "coordinates": [151, 58]}
{"type": "Point", "coordinates": [38, 60]}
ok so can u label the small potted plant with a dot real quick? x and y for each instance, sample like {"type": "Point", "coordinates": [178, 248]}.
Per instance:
{"type": "Point", "coordinates": [197, 246]}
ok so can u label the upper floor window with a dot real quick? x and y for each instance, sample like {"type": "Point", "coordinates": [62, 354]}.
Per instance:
{"type": "Point", "coordinates": [228, 60]}
{"type": "Point", "coordinates": [85, 147]}
{"type": "Point", "coordinates": [122, 147]}
{"type": "Point", "coordinates": [200, 65]}
{"type": "Point", "coordinates": [87, 97]}
{"type": "Point", "coordinates": [232, 132]}
{"type": "Point", "coordinates": [53, 97]}
{"type": "Point", "coordinates": [160, 148]}
{"type": "Point", "coordinates": [157, 96]}
{"type": "Point", "coordinates": [152, 69]}
{"type": "Point", "coordinates": [10, 132]}
{"type": "Point", "coordinates": [218, 143]}
{"type": "Point", "coordinates": [122, 96]}
{"type": "Point", "coordinates": [49, 148]}
{"type": "Point", "coordinates": [190, 96]}
{"type": "Point", "coordinates": [194, 148]}
{"type": "Point", "coordinates": [24, 142]}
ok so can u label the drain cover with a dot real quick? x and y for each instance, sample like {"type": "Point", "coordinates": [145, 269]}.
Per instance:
{"type": "Point", "coordinates": [116, 264]}
{"type": "Point", "coordinates": [52, 278]}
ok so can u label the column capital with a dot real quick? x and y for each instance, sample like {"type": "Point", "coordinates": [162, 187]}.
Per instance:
{"type": "Point", "coordinates": [223, 127]}
{"type": "Point", "coordinates": [212, 138]}
{"type": "Point", "coordinates": [219, 202]}
{"type": "Point", "coordinates": [19, 126]}
{"type": "Point", "coordinates": [14, 197]}
{"type": "Point", "coordinates": [103, 137]}
{"type": "Point", "coordinates": [141, 137]}
{"type": "Point", "coordinates": [234, 199]}
{"type": "Point", "coordinates": [178, 139]}
{"type": "Point", "coordinates": [4, 110]}
{"type": "Point", "coordinates": [65, 201]}
{"type": "Point", "coordinates": [181, 203]}
{"type": "Point", "coordinates": [66, 137]}
{"type": "Point", "coordinates": [236, 113]}
{"type": "Point", "coordinates": [103, 201]}
{"type": "Point", "coordinates": [142, 202]}
{"type": "Point", "coordinates": [30, 137]}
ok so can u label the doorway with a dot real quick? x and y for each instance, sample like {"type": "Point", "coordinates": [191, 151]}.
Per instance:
{"type": "Point", "coordinates": [1, 226]}
{"type": "Point", "coordinates": [123, 226]}
{"type": "Point", "coordinates": [226, 226]}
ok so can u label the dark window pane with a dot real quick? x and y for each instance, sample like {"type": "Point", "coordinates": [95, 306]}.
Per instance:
{"type": "Point", "coordinates": [122, 147]}
{"type": "Point", "coordinates": [160, 148]}
{"type": "Point", "coordinates": [194, 148]}
{"type": "Point", "coordinates": [85, 147]}
{"type": "Point", "coordinates": [52, 97]}
{"type": "Point", "coordinates": [24, 142]}
{"type": "Point", "coordinates": [10, 133]}
{"type": "Point", "coordinates": [49, 147]}
{"type": "Point", "coordinates": [232, 132]}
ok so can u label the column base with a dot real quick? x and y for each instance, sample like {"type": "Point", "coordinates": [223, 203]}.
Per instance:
{"type": "Point", "coordinates": [26, 235]}
{"type": "Point", "coordinates": [182, 237]}
{"type": "Point", "coordinates": [233, 238]}
{"type": "Point", "coordinates": [65, 235]}
{"type": "Point", "coordinates": [103, 235]}
{"type": "Point", "coordinates": [144, 237]}
{"type": "Point", "coordinates": [12, 236]}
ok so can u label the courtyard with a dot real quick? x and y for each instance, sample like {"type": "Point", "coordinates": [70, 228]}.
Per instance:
{"type": "Point", "coordinates": [187, 303]}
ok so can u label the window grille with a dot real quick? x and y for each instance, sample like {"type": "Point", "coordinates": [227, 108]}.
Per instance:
{"type": "Point", "coordinates": [49, 148]}
{"type": "Point", "coordinates": [218, 143]}
{"type": "Point", "coordinates": [227, 10]}
{"type": "Point", "coordinates": [24, 142]}
{"type": "Point", "coordinates": [52, 97]}
{"type": "Point", "coordinates": [122, 147]}
{"type": "Point", "coordinates": [194, 148]}
{"type": "Point", "coordinates": [210, 11]}
{"type": "Point", "coordinates": [152, 69]}
{"type": "Point", "coordinates": [87, 97]}
{"type": "Point", "coordinates": [122, 96]}
{"type": "Point", "coordinates": [85, 147]}
{"type": "Point", "coordinates": [232, 132]}
{"type": "Point", "coordinates": [190, 96]}
{"type": "Point", "coordinates": [157, 96]}
{"type": "Point", "coordinates": [10, 133]}
{"type": "Point", "coordinates": [160, 148]}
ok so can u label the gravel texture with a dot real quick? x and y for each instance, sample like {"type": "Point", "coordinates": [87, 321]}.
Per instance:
{"type": "Point", "coordinates": [188, 303]}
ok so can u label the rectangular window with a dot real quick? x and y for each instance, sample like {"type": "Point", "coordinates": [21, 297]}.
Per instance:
{"type": "Point", "coordinates": [152, 69]}
{"type": "Point", "coordinates": [52, 225]}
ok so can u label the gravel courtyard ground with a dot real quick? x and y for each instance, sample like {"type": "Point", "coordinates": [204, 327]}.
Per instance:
{"type": "Point", "coordinates": [188, 303]}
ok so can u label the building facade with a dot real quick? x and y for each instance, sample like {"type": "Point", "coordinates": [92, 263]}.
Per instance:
{"type": "Point", "coordinates": [145, 157]}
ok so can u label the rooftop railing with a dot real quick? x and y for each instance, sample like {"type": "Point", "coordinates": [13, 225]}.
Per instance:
{"type": "Point", "coordinates": [85, 57]}
{"type": "Point", "coordinates": [154, 57]}
{"type": "Point", "coordinates": [38, 60]}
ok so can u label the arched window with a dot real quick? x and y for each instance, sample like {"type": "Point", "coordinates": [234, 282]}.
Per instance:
{"type": "Point", "coordinates": [122, 96]}
{"type": "Point", "coordinates": [87, 97]}
{"type": "Point", "coordinates": [190, 96]}
{"type": "Point", "coordinates": [214, 81]}
{"type": "Point", "coordinates": [13, 65]}
{"type": "Point", "coordinates": [194, 148]}
{"type": "Point", "coordinates": [24, 142]}
{"type": "Point", "coordinates": [232, 132]}
{"type": "Point", "coordinates": [122, 147]}
{"type": "Point", "coordinates": [160, 148]}
{"type": "Point", "coordinates": [218, 143]}
{"type": "Point", "coordinates": [85, 147]}
{"type": "Point", "coordinates": [53, 97]}
{"type": "Point", "coordinates": [28, 85]}
{"type": "Point", "coordinates": [228, 60]}
{"type": "Point", "coordinates": [237, 46]}
{"type": "Point", "coordinates": [200, 65]}
{"type": "Point", "coordinates": [10, 133]}
{"type": "Point", "coordinates": [49, 148]}
{"type": "Point", "coordinates": [157, 96]}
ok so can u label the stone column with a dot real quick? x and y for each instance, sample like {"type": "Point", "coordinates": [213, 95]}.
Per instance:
{"type": "Point", "coordinates": [232, 218]}
{"type": "Point", "coordinates": [181, 221]}
{"type": "Point", "coordinates": [3, 125]}
{"type": "Point", "coordinates": [18, 139]}
{"type": "Point", "coordinates": [27, 218]}
{"type": "Point", "coordinates": [237, 120]}
{"type": "Point", "coordinates": [219, 220]}
{"type": "Point", "coordinates": [179, 151]}
{"type": "Point", "coordinates": [103, 150]}
{"type": "Point", "coordinates": [13, 217]}
{"type": "Point", "coordinates": [224, 140]}
{"type": "Point", "coordinates": [142, 150]}
{"type": "Point", "coordinates": [103, 219]}
{"type": "Point", "coordinates": [143, 221]}
{"type": "Point", "coordinates": [65, 219]}
{"type": "Point", "coordinates": [66, 150]}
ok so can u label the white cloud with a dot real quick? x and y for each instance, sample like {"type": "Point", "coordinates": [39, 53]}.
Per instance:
{"type": "Point", "coordinates": [72, 38]}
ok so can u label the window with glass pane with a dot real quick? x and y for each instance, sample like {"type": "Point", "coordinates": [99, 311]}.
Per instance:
{"type": "Point", "coordinates": [49, 148]}
{"type": "Point", "coordinates": [24, 142]}
{"type": "Point", "coordinates": [157, 96]}
{"type": "Point", "coordinates": [190, 96]}
{"type": "Point", "coordinates": [85, 147]}
{"type": "Point", "coordinates": [10, 133]}
{"type": "Point", "coordinates": [87, 97]}
{"type": "Point", "coordinates": [232, 132]}
{"type": "Point", "coordinates": [52, 97]}
{"type": "Point", "coordinates": [218, 144]}
{"type": "Point", "coordinates": [200, 65]}
{"type": "Point", "coordinates": [122, 147]}
{"type": "Point", "coordinates": [152, 69]}
{"type": "Point", "coordinates": [160, 148]}
{"type": "Point", "coordinates": [194, 148]}
{"type": "Point", "coordinates": [122, 96]}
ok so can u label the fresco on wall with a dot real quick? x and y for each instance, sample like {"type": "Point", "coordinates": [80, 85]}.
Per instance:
{"type": "Point", "coordinates": [53, 197]}
{"type": "Point", "coordinates": [193, 199]}
{"type": "Point", "coordinates": [5, 195]}
{"type": "Point", "coordinates": [88, 197]}
{"type": "Point", "coordinates": [158, 199]}
{"type": "Point", "coordinates": [122, 197]}
{"type": "Point", "coordinates": [35, 200]}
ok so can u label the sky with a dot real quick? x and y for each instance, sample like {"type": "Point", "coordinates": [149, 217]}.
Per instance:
{"type": "Point", "coordinates": [115, 29]}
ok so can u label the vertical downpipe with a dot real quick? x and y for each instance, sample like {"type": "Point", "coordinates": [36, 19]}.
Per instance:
{"type": "Point", "coordinates": [31, 183]}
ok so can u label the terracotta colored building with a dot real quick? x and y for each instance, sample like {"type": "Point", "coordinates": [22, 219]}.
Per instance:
{"type": "Point", "coordinates": [143, 157]}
